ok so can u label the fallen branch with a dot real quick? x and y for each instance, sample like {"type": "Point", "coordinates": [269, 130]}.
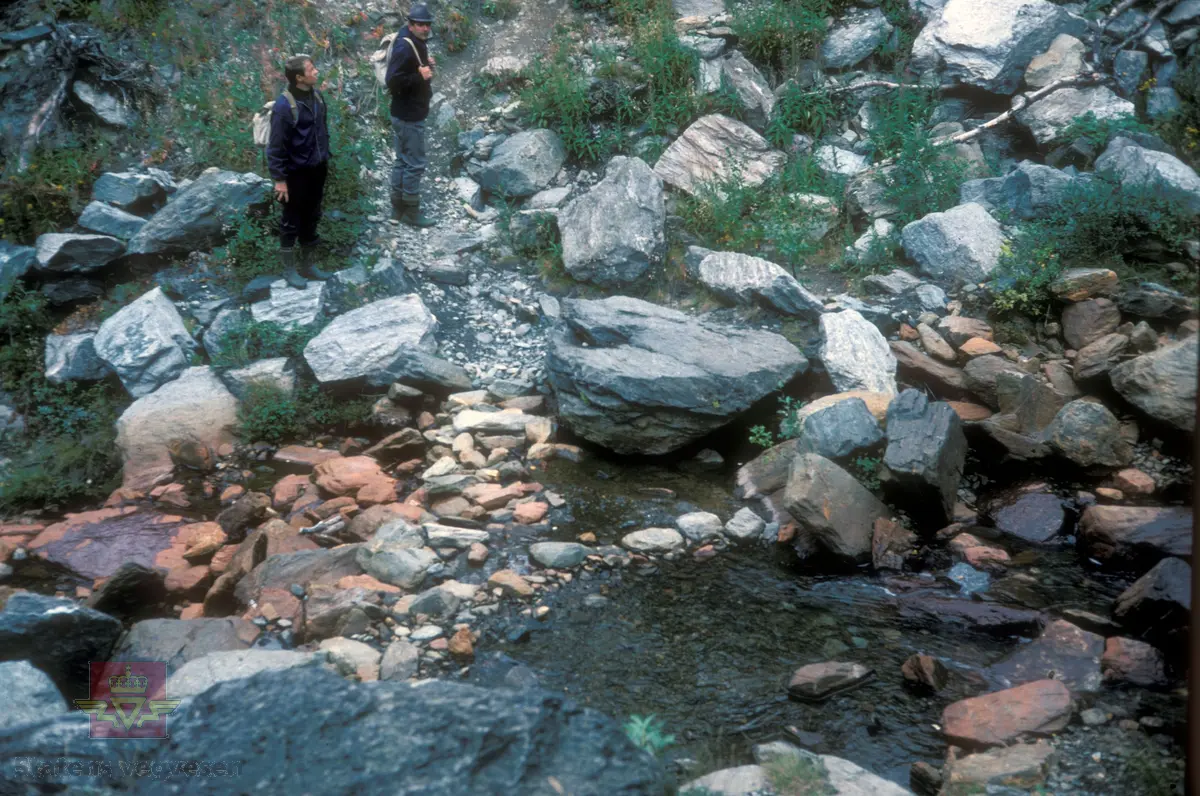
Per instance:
{"type": "Point", "coordinates": [1142, 31]}
{"type": "Point", "coordinates": [1098, 41]}
{"type": "Point", "coordinates": [873, 84]}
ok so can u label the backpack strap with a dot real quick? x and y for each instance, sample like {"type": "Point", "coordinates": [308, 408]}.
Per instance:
{"type": "Point", "coordinates": [291, 101]}
{"type": "Point", "coordinates": [414, 49]}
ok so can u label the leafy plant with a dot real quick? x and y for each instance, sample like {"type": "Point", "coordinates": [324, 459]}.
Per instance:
{"type": "Point", "coordinates": [801, 111]}
{"type": "Point", "coordinates": [798, 776]}
{"type": "Point", "coordinates": [270, 414]}
{"type": "Point", "coordinates": [456, 29]}
{"type": "Point", "coordinates": [261, 340]}
{"type": "Point", "coordinates": [924, 179]}
{"type": "Point", "coordinates": [866, 470]}
{"type": "Point", "coordinates": [646, 732]}
{"type": "Point", "coordinates": [501, 9]}
{"type": "Point", "coordinates": [759, 435]}
{"type": "Point", "coordinates": [253, 248]}
{"type": "Point", "coordinates": [52, 192]}
{"type": "Point", "coordinates": [1182, 128]}
{"type": "Point", "coordinates": [1098, 132]}
{"type": "Point", "coordinates": [780, 33]}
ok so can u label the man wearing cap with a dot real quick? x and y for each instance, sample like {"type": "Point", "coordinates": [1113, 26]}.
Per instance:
{"type": "Point", "coordinates": [298, 158]}
{"type": "Point", "coordinates": [409, 76]}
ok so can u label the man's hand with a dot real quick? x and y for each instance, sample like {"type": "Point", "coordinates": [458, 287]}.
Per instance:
{"type": "Point", "coordinates": [281, 190]}
{"type": "Point", "coordinates": [426, 72]}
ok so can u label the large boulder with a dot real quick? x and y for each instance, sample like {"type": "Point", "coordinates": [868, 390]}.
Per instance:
{"type": "Point", "coordinates": [57, 636]}
{"type": "Point", "coordinates": [745, 279]}
{"type": "Point", "coordinates": [856, 34]}
{"type": "Point", "coordinates": [72, 357]}
{"type": "Point", "coordinates": [615, 231]}
{"type": "Point", "coordinates": [146, 343]}
{"type": "Point", "coordinates": [1050, 116]}
{"type": "Point", "coordinates": [433, 738]}
{"type": "Point", "coordinates": [96, 544]}
{"type": "Point", "coordinates": [988, 43]}
{"type": "Point", "coordinates": [833, 512]}
{"type": "Point", "coordinates": [235, 666]}
{"type": "Point", "coordinates": [839, 430]}
{"type": "Point", "coordinates": [1029, 191]}
{"type": "Point", "coordinates": [130, 191]}
{"type": "Point", "coordinates": [856, 354]}
{"type": "Point", "coordinates": [177, 641]}
{"type": "Point", "coordinates": [1158, 172]}
{"type": "Point", "coordinates": [199, 216]}
{"type": "Point", "coordinates": [112, 221]}
{"type": "Point", "coordinates": [195, 409]}
{"type": "Point", "coordinates": [1071, 653]}
{"type": "Point", "coordinates": [925, 455]}
{"type": "Point", "coordinates": [279, 373]}
{"type": "Point", "coordinates": [15, 262]}
{"type": "Point", "coordinates": [369, 339]}
{"type": "Point", "coordinates": [29, 695]}
{"type": "Point", "coordinates": [752, 90]}
{"type": "Point", "coordinates": [521, 165]}
{"type": "Point", "coordinates": [68, 253]}
{"type": "Point", "coordinates": [1135, 537]}
{"type": "Point", "coordinates": [1163, 383]}
{"type": "Point", "coordinates": [638, 378]}
{"type": "Point", "coordinates": [291, 307]}
{"type": "Point", "coordinates": [711, 149]}
{"type": "Point", "coordinates": [1088, 434]}
{"type": "Point", "coordinates": [962, 244]}
{"type": "Point", "coordinates": [1037, 708]}
{"type": "Point", "coordinates": [1158, 606]}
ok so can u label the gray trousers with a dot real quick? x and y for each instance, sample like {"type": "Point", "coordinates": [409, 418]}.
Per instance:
{"type": "Point", "coordinates": [409, 141]}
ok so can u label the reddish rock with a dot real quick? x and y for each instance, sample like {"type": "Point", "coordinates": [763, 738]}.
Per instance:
{"type": "Point", "coordinates": [969, 412]}
{"type": "Point", "coordinates": [451, 507]}
{"type": "Point", "coordinates": [367, 583]}
{"type": "Point", "coordinates": [379, 491]}
{"type": "Point", "coordinates": [977, 347]}
{"type": "Point", "coordinates": [891, 542]}
{"type": "Point", "coordinates": [1136, 537]}
{"type": "Point", "coordinates": [221, 559]}
{"type": "Point", "coordinates": [908, 333]}
{"type": "Point", "coordinates": [477, 554]}
{"type": "Point", "coordinates": [1132, 481]}
{"type": "Point", "coordinates": [303, 457]}
{"type": "Point", "coordinates": [945, 380]}
{"type": "Point", "coordinates": [1087, 321]}
{"type": "Point", "coordinates": [1022, 766]}
{"type": "Point", "coordinates": [426, 421]}
{"type": "Point", "coordinates": [512, 584]}
{"type": "Point", "coordinates": [959, 329]}
{"type": "Point", "coordinates": [331, 507]}
{"type": "Point", "coordinates": [978, 554]}
{"type": "Point", "coordinates": [704, 553]}
{"type": "Point", "coordinates": [1128, 660]}
{"type": "Point", "coordinates": [202, 540]}
{"type": "Point", "coordinates": [492, 496]}
{"type": "Point", "coordinates": [274, 604]}
{"type": "Point", "coordinates": [192, 611]}
{"type": "Point", "coordinates": [461, 646]}
{"type": "Point", "coordinates": [288, 489]}
{"type": "Point", "coordinates": [817, 681]}
{"type": "Point", "coordinates": [346, 475]}
{"type": "Point", "coordinates": [232, 493]}
{"type": "Point", "coordinates": [171, 495]}
{"type": "Point", "coordinates": [188, 582]}
{"type": "Point", "coordinates": [530, 513]}
{"type": "Point", "coordinates": [1110, 494]}
{"type": "Point", "coordinates": [96, 543]}
{"type": "Point", "coordinates": [925, 670]}
{"type": "Point", "coordinates": [1040, 707]}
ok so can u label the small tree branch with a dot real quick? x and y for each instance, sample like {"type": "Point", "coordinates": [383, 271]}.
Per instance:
{"type": "Point", "coordinates": [1098, 40]}
{"type": "Point", "coordinates": [1154, 12]}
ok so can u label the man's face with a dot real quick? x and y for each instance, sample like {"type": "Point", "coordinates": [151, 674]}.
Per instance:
{"type": "Point", "coordinates": [420, 29]}
{"type": "Point", "coordinates": [309, 78]}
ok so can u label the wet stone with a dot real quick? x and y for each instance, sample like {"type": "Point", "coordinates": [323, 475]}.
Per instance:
{"type": "Point", "coordinates": [1065, 652]}
{"type": "Point", "coordinates": [1036, 517]}
{"type": "Point", "coordinates": [818, 681]}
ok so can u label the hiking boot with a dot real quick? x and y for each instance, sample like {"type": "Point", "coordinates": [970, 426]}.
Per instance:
{"type": "Point", "coordinates": [398, 209]}
{"type": "Point", "coordinates": [412, 212]}
{"type": "Point", "coordinates": [287, 258]}
{"type": "Point", "coordinates": [307, 269]}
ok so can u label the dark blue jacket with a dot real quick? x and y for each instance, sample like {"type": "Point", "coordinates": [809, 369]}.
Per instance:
{"type": "Point", "coordinates": [410, 92]}
{"type": "Point", "coordinates": [296, 146]}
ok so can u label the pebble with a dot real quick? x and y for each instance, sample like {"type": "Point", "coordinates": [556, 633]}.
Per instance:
{"type": "Point", "coordinates": [426, 633]}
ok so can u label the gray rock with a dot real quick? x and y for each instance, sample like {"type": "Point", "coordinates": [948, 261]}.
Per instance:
{"type": "Point", "coordinates": [1029, 191]}
{"type": "Point", "coordinates": [1163, 383]}
{"type": "Point", "coordinates": [400, 661]}
{"type": "Point", "coordinates": [28, 696]}
{"type": "Point", "coordinates": [982, 374]}
{"type": "Point", "coordinates": [925, 455]}
{"type": "Point", "coordinates": [745, 525]}
{"type": "Point", "coordinates": [468, 192]}
{"type": "Point", "coordinates": [15, 262]}
{"type": "Point", "coordinates": [368, 340]}
{"type": "Point", "coordinates": [1162, 174]}
{"type": "Point", "coordinates": [1035, 517]}
{"type": "Point", "coordinates": [129, 191]}
{"type": "Point", "coordinates": [1162, 101]}
{"type": "Point", "coordinates": [613, 233]}
{"type": "Point", "coordinates": [57, 636]}
{"type": "Point", "coordinates": [962, 244]}
{"type": "Point", "coordinates": [219, 336]}
{"type": "Point", "coordinates": [199, 216]}
{"type": "Point", "coordinates": [290, 307]}
{"type": "Point", "coordinates": [278, 373]}
{"type": "Point", "coordinates": [871, 248]}
{"type": "Point", "coordinates": [436, 738]}
{"type": "Point", "coordinates": [548, 199]}
{"type": "Point", "coordinates": [838, 162]}
{"type": "Point", "coordinates": [72, 357]}
{"type": "Point", "coordinates": [1157, 607]}
{"type": "Point", "coordinates": [1130, 68]}
{"type": "Point", "coordinates": [832, 510]}
{"type": "Point", "coordinates": [522, 164]}
{"type": "Point", "coordinates": [1089, 435]}
{"type": "Point", "coordinates": [1183, 13]}
{"type": "Point", "coordinates": [989, 45]}
{"type": "Point", "coordinates": [637, 378]}
{"type": "Point", "coordinates": [177, 641]}
{"type": "Point", "coordinates": [708, 151]}
{"type": "Point", "coordinates": [423, 371]}
{"type": "Point", "coordinates": [107, 108]}
{"type": "Point", "coordinates": [744, 279]}
{"type": "Point", "coordinates": [436, 602]}
{"type": "Point", "coordinates": [895, 283]}
{"type": "Point", "coordinates": [392, 557]}
{"type": "Point", "coordinates": [840, 430]}
{"type": "Point", "coordinates": [1152, 300]}
{"type": "Point", "coordinates": [653, 540]}
{"type": "Point", "coordinates": [1063, 59]}
{"type": "Point", "coordinates": [107, 220]}
{"type": "Point", "coordinates": [699, 526]}
{"type": "Point", "coordinates": [698, 8]}
{"type": "Point", "coordinates": [68, 253]}
{"type": "Point", "coordinates": [1084, 322]}
{"type": "Point", "coordinates": [856, 34]}
{"type": "Point", "coordinates": [558, 555]}
{"type": "Point", "coordinates": [867, 194]}
{"type": "Point", "coordinates": [145, 343]}
{"type": "Point", "coordinates": [1100, 356]}
{"type": "Point", "coordinates": [233, 666]}
{"type": "Point", "coordinates": [855, 353]}
{"type": "Point", "coordinates": [705, 47]}
{"type": "Point", "coordinates": [749, 86]}
{"type": "Point", "coordinates": [931, 297]}
{"type": "Point", "coordinates": [1049, 116]}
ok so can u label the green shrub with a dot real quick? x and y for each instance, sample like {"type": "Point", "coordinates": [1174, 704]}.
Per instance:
{"type": "Point", "coordinates": [798, 776]}
{"type": "Point", "coordinates": [257, 340]}
{"type": "Point", "coordinates": [925, 177]}
{"type": "Point", "coordinates": [1182, 128]}
{"type": "Point", "coordinates": [456, 29]}
{"type": "Point", "coordinates": [253, 248]}
{"type": "Point", "coordinates": [556, 96]}
{"type": "Point", "coordinates": [269, 414]}
{"type": "Point", "coordinates": [866, 470]}
{"type": "Point", "coordinates": [1098, 132]}
{"type": "Point", "coordinates": [780, 33]}
{"type": "Point", "coordinates": [669, 69]}
{"type": "Point", "coordinates": [1098, 223]}
{"type": "Point", "coordinates": [646, 732]}
{"type": "Point", "coordinates": [501, 9]}
{"type": "Point", "coordinates": [899, 117]}
{"type": "Point", "coordinates": [52, 192]}
{"type": "Point", "coordinates": [801, 111]}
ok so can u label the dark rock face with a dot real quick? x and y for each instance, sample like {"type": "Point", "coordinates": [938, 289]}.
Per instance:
{"type": "Point", "coordinates": [96, 544]}
{"type": "Point", "coordinates": [638, 378]}
{"type": "Point", "coordinates": [1135, 537]}
{"type": "Point", "coordinates": [1036, 517]}
{"type": "Point", "coordinates": [1158, 606]}
{"type": "Point", "coordinates": [304, 730]}
{"type": "Point", "coordinates": [1089, 435]}
{"type": "Point", "coordinates": [196, 219]}
{"type": "Point", "coordinates": [925, 456]}
{"type": "Point", "coordinates": [57, 636]}
{"type": "Point", "coordinates": [1072, 653]}
{"type": "Point", "coordinates": [984, 617]}
{"type": "Point", "coordinates": [831, 508]}
{"type": "Point", "coordinates": [841, 430]}
{"type": "Point", "coordinates": [133, 590]}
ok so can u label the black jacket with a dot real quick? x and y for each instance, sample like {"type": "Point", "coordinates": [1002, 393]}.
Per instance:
{"type": "Point", "coordinates": [410, 92]}
{"type": "Point", "coordinates": [304, 143]}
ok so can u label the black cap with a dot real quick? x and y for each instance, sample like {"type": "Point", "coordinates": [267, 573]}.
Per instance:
{"type": "Point", "coordinates": [420, 13]}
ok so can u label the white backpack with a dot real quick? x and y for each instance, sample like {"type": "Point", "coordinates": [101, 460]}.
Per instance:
{"type": "Point", "coordinates": [381, 59]}
{"type": "Point", "coordinates": [261, 123]}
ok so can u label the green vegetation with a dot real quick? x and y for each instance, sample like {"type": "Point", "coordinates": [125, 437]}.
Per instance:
{"type": "Point", "coordinates": [501, 9]}
{"type": "Point", "coordinates": [1182, 128]}
{"type": "Point", "coordinates": [789, 423]}
{"type": "Point", "coordinates": [257, 340]}
{"type": "Point", "coordinates": [798, 776]}
{"type": "Point", "coordinates": [646, 732]}
{"type": "Point", "coordinates": [781, 33]}
{"type": "Point", "coordinates": [456, 29]}
{"type": "Point", "coordinates": [269, 414]}
{"type": "Point", "coordinates": [1098, 223]}
{"type": "Point", "coordinates": [866, 470]}
{"type": "Point", "coordinates": [801, 111]}
{"type": "Point", "coordinates": [52, 192]}
{"type": "Point", "coordinates": [1098, 132]}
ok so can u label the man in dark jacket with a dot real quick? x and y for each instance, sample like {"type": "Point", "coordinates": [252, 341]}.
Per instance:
{"type": "Point", "coordinates": [409, 81]}
{"type": "Point", "coordinates": [298, 158]}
